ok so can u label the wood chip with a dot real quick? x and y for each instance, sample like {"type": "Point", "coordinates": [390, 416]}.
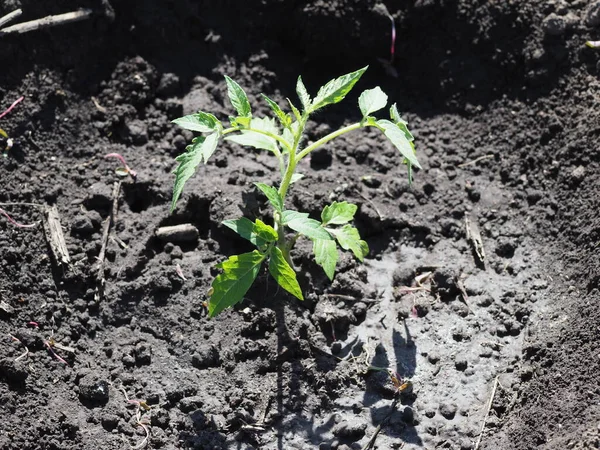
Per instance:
{"type": "Point", "coordinates": [178, 233]}
{"type": "Point", "coordinates": [10, 16]}
{"type": "Point", "coordinates": [474, 238]}
{"type": "Point", "coordinates": [55, 237]}
{"type": "Point", "coordinates": [106, 227]}
{"type": "Point", "coordinates": [6, 308]}
{"type": "Point", "coordinates": [48, 21]}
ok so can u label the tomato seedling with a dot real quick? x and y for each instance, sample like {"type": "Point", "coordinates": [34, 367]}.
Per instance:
{"type": "Point", "coordinates": [283, 135]}
{"type": "Point", "coordinates": [125, 170]}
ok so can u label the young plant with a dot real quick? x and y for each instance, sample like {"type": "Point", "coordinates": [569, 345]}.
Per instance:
{"type": "Point", "coordinates": [125, 170]}
{"type": "Point", "coordinates": [283, 136]}
{"type": "Point", "coordinates": [9, 141]}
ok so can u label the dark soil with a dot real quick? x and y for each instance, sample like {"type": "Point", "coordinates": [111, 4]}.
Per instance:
{"type": "Point", "coordinates": [503, 100]}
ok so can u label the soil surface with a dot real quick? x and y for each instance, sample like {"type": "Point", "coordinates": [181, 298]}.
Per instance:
{"type": "Point", "coordinates": [501, 351]}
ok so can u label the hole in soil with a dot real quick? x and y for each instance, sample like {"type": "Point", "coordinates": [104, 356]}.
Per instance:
{"type": "Point", "coordinates": [196, 212]}
{"type": "Point", "coordinates": [142, 195]}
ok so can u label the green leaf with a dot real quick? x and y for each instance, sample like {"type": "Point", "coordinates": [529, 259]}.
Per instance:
{"type": "Point", "coordinates": [230, 286]}
{"type": "Point", "coordinates": [264, 231]}
{"type": "Point", "coordinates": [372, 100]}
{"type": "Point", "coordinates": [302, 224]}
{"type": "Point", "coordinates": [338, 213]}
{"type": "Point", "coordinates": [349, 239]}
{"type": "Point", "coordinates": [283, 273]}
{"type": "Point", "coordinates": [296, 177]}
{"type": "Point", "coordinates": [400, 122]}
{"type": "Point", "coordinates": [238, 98]}
{"type": "Point", "coordinates": [201, 122]}
{"type": "Point", "coordinates": [303, 94]}
{"type": "Point", "coordinates": [372, 121]}
{"type": "Point", "coordinates": [201, 149]}
{"type": "Point", "coordinates": [395, 115]}
{"type": "Point", "coordinates": [266, 124]}
{"type": "Point", "coordinates": [284, 118]}
{"type": "Point", "coordinates": [240, 121]}
{"type": "Point", "coordinates": [326, 255]}
{"type": "Point", "coordinates": [398, 138]}
{"type": "Point", "coordinates": [272, 194]}
{"type": "Point", "coordinates": [255, 139]}
{"type": "Point", "coordinates": [289, 215]}
{"type": "Point", "coordinates": [288, 135]}
{"type": "Point", "coordinates": [335, 90]}
{"type": "Point", "coordinates": [246, 229]}
{"type": "Point", "coordinates": [295, 111]}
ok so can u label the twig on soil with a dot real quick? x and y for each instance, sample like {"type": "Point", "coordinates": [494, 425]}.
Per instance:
{"type": "Point", "coordinates": [180, 272]}
{"type": "Point", "coordinates": [419, 280]}
{"type": "Point", "coordinates": [372, 205]}
{"type": "Point", "coordinates": [14, 222]}
{"type": "Point", "coordinates": [371, 443]}
{"type": "Point", "coordinates": [108, 222]}
{"type": "Point", "coordinates": [39, 205]}
{"type": "Point", "coordinates": [475, 161]}
{"type": "Point", "coordinates": [119, 242]}
{"type": "Point", "coordinates": [47, 22]}
{"type": "Point", "coordinates": [487, 412]}
{"type": "Point", "coordinates": [474, 237]}
{"type": "Point", "coordinates": [10, 16]}
{"type": "Point", "coordinates": [6, 308]}
{"type": "Point", "coordinates": [177, 233]}
{"type": "Point", "coordinates": [98, 106]}
{"type": "Point", "coordinates": [463, 292]}
{"type": "Point", "coordinates": [349, 298]}
{"type": "Point", "coordinates": [24, 355]}
{"type": "Point", "coordinates": [10, 108]}
{"type": "Point", "coordinates": [55, 237]}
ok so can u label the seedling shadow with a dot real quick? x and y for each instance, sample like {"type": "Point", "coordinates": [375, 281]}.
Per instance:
{"type": "Point", "coordinates": [378, 387]}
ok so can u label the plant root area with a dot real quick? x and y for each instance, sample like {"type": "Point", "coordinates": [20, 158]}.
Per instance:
{"type": "Point", "coordinates": [474, 322]}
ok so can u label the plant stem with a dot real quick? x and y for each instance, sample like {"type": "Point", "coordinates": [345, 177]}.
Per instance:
{"type": "Point", "coordinates": [284, 186]}
{"type": "Point", "coordinates": [329, 137]}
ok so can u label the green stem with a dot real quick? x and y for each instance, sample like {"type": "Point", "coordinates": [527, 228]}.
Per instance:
{"type": "Point", "coordinates": [293, 159]}
{"type": "Point", "coordinates": [284, 186]}
{"type": "Point", "coordinates": [329, 137]}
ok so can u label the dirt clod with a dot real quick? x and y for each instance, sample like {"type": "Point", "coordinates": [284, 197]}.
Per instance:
{"type": "Point", "coordinates": [448, 410]}
{"type": "Point", "coordinates": [93, 389]}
